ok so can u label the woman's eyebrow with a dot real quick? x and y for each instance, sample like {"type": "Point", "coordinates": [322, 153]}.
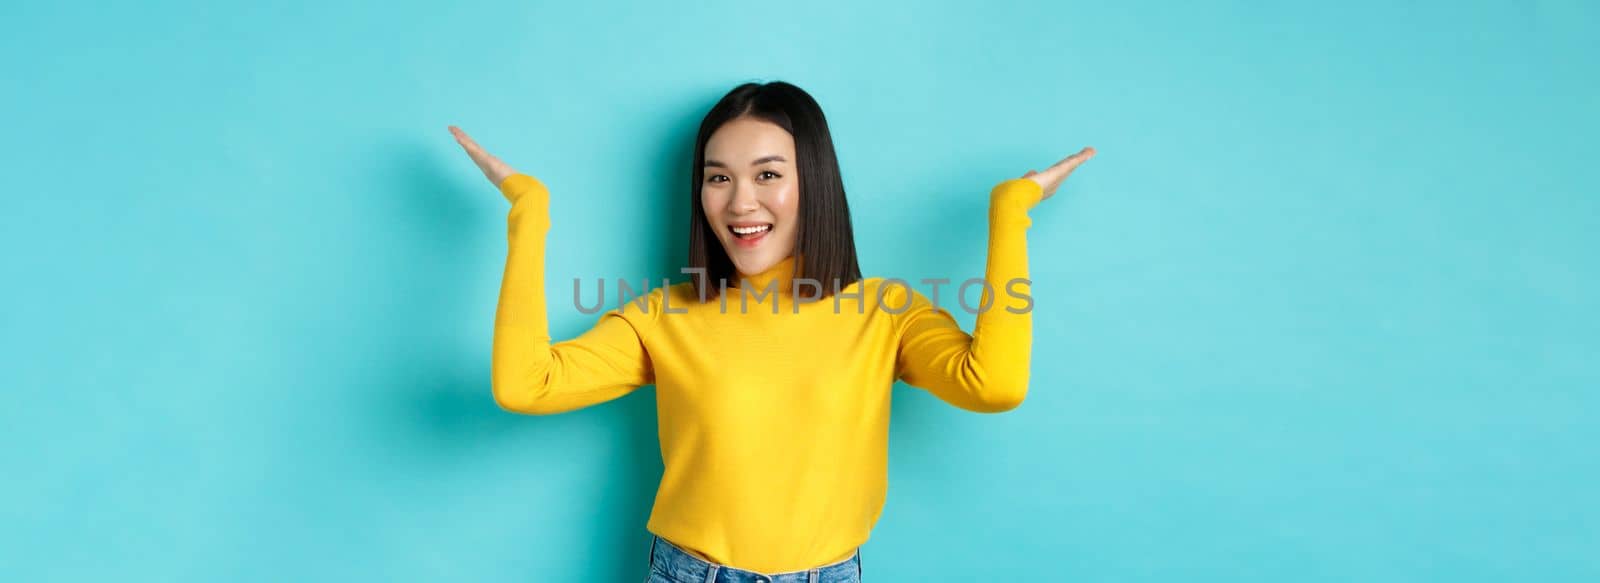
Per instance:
{"type": "Point", "coordinates": [757, 162]}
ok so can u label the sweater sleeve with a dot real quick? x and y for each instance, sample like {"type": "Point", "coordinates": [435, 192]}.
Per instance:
{"type": "Point", "coordinates": [986, 371]}
{"type": "Point", "coordinates": [530, 374]}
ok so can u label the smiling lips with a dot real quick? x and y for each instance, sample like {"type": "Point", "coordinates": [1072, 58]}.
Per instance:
{"type": "Point", "coordinates": [750, 235]}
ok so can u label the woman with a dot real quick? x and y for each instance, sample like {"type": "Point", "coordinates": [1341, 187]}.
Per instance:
{"type": "Point", "coordinates": [774, 364]}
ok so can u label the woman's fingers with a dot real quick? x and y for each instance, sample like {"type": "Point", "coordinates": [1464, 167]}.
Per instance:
{"type": "Point", "coordinates": [1053, 176]}
{"type": "Point", "coordinates": [493, 169]}
{"type": "Point", "coordinates": [466, 141]}
{"type": "Point", "coordinates": [1068, 164]}
{"type": "Point", "coordinates": [473, 149]}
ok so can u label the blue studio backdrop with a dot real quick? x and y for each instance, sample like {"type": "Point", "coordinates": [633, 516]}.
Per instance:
{"type": "Point", "coordinates": [1323, 308]}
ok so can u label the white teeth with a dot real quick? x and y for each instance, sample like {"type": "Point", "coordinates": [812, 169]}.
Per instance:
{"type": "Point", "coordinates": [751, 230]}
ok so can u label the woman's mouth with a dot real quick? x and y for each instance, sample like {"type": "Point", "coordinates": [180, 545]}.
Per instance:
{"type": "Point", "coordinates": [750, 235]}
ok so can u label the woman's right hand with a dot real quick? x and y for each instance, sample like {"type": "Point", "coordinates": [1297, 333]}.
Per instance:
{"type": "Point", "coordinates": [493, 169]}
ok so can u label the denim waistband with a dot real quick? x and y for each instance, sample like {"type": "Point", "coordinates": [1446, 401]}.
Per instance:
{"type": "Point", "coordinates": [677, 564]}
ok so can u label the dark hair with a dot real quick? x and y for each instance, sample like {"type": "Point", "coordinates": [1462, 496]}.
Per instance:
{"type": "Point", "coordinates": [825, 244]}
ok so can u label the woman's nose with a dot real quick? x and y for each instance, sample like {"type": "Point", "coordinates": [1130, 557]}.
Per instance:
{"type": "Point", "coordinates": [744, 200]}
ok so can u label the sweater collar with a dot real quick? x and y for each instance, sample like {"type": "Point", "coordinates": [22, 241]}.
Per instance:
{"type": "Point", "coordinates": [781, 275]}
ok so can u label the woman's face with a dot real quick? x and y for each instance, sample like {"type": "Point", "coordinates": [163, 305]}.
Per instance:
{"type": "Point", "coordinates": [751, 194]}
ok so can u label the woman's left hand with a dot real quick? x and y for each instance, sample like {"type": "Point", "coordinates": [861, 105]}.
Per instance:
{"type": "Point", "coordinates": [1053, 176]}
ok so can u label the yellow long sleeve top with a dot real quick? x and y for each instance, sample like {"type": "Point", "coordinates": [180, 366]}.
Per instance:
{"type": "Point", "coordinates": [774, 427]}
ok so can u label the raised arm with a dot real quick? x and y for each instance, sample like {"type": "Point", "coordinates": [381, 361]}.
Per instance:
{"type": "Point", "coordinates": [529, 373]}
{"type": "Point", "coordinates": [986, 371]}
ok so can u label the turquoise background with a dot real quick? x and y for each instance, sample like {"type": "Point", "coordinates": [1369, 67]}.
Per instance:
{"type": "Point", "coordinates": [1324, 308]}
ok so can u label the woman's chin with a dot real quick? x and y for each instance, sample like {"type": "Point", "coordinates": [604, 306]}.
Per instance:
{"type": "Point", "coordinates": [751, 263]}
{"type": "Point", "coordinates": [747, 267]}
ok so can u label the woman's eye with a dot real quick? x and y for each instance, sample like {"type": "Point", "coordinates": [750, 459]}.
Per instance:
{"type": "Point", "coordinates": [764, 173]}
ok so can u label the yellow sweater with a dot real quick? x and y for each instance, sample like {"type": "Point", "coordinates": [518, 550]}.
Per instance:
{"type": "Point", "coordinates": [774, 428]}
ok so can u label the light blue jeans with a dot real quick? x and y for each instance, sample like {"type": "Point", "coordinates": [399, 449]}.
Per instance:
{"type": "Point", "coordinates": [670, 564]}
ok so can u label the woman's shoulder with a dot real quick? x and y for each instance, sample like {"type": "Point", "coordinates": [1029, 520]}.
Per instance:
{"type": "Point", "coordinates": [888, 291]}
{"type": "Point", "coordinates": [645, 306]}
{"type": "Point", "coordinates": [678, 295]}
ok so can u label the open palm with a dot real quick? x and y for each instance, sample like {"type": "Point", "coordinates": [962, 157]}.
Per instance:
{"type": "Point", "coordinates": [1053, 176]}
{"type": "Point", "coordinates": [493, 169]}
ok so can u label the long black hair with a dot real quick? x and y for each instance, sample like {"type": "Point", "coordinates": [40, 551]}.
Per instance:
{"type": "Point", "coordinates": [825, 244]}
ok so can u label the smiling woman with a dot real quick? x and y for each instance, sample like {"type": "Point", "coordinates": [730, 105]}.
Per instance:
{"type": "Point", "coordinates": [755, 216]}
{"type": "Point", "coordinates": [794, 499]}
{"type": "Point", "coordinates": [758, 149]}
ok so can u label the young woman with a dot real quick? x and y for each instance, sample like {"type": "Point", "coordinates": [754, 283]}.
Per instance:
{"type": "Point", "coordinates": [774, 364]}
